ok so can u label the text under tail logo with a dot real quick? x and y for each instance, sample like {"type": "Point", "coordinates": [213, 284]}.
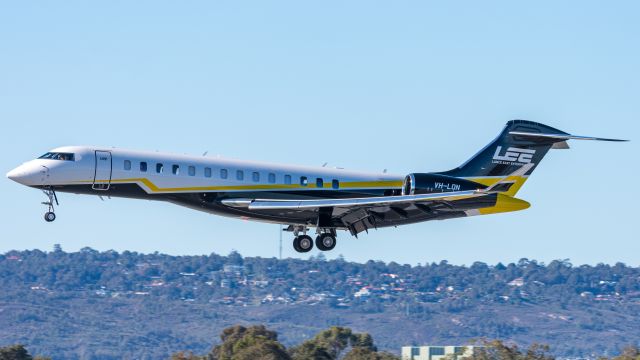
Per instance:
{"type": "Point", "coordinates": [513, 156]}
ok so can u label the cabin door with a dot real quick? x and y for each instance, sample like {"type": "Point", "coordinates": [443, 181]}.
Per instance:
{"type": "Point", "coordinates": [102, 175]}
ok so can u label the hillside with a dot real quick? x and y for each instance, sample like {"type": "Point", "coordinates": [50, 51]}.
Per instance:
{"type": "Point", "coordinates": [103, 305]}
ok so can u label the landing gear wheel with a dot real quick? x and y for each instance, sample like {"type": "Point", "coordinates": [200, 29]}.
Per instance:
{"type": "Point", "coordinates": [49, 216]}
{"type": "Point", "coordinates": [325, 242]}
{"type": "Point", "coordinates": [303, 243]}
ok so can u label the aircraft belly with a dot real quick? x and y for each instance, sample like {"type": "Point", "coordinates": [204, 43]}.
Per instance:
{"type": "Point", "coordinates": [355, 219]}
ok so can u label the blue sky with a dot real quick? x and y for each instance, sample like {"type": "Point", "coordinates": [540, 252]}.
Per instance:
{"type": "Point", "coordinates": [407, 86]}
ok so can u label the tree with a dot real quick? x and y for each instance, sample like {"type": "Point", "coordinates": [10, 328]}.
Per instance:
{"type": "Point", "coordinates": [262, 350]}
{"type": "Point", "coordinates": [185, 355]}
{"type": "Point", "coordinates": [329, 345]}
{"type": "Point", "coordinates": [254, 342]}
{"type": "Point", "coordinates": [17, 352]}
{"type": "Point", "coordinates": [497, 350]}
{"type": "Point", "coordinates": [333, 341]}
{"type": "Point", "coordinates": [630, 353]}
{"type": "Point", "coordinates": [364, 341]}
{"type": "Point", "coordinates": [234, 258]}
{"type": "Point", "coordinates": [309, 350]}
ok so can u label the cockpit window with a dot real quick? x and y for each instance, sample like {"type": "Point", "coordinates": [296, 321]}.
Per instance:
{"type": "Point", "coordinates": [58, 156]}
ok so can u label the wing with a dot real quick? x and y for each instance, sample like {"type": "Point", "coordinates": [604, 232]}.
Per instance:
{"type": "Point", "coordinates": [361, 214]}
{"type": "Point", "coordinates": [266, 204]}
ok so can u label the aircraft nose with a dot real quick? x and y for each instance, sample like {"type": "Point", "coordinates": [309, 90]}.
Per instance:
{"type": "Point", "coordinates": [24, 174]}
{"type": "Point", "coordinates": [15, 174]}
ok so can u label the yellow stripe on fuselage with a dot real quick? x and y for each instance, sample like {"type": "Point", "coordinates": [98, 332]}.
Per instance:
{"type": "Point", "coordinates": [505, 202]}
{"type": "Point", "coordinates": [382, 184]}
{"type": "Point", "coordinates": [343, 185]}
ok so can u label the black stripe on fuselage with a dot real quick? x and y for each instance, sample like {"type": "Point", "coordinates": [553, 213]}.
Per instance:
{"type": "Point", "coordinates": [210, 202]}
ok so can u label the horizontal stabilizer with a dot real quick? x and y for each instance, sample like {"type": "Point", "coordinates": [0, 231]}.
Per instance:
{"type": "Point", "coordinates": [560, 137]}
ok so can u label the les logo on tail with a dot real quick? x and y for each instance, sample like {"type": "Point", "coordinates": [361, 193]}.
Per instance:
{"type": "Point", "coordinates": [513, 155]}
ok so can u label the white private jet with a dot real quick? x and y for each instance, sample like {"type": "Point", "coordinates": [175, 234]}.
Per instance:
{"type": "Point", "coordinates": [302, 197]}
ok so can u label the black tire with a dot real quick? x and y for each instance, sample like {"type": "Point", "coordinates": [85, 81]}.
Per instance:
{"type": "Point", "coordinates": [326, 242]}
{"type": "Point", "coordinates": [296, 247]}
{"type": "Point", "coordinates": [49, 216]}
{"type": "Point", "coordinates": [303, 243]}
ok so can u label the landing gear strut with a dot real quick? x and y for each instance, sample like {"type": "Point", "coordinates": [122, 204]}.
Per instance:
{"type": "Point", "coordinates": [50, 215]}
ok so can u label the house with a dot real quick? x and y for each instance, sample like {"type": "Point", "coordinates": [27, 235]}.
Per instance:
{"type": "Point", "coordinates": [437, 352]}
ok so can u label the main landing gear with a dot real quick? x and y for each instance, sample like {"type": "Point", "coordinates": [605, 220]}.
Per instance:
{"type": "Point", "coordinates": [325, 241]}
{"type": "Point", "coordinates": [50, 215]}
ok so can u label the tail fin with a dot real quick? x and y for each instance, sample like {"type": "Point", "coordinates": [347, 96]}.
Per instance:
{"type": "Point", "coordinates": [520, 143]}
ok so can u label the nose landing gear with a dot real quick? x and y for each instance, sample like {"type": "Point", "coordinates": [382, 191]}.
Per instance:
{"type": "Point", "coordinates": [50, 215]}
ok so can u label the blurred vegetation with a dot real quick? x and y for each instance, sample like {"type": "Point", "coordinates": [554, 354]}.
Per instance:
{"type": "Point", "coordinates": [336, 343]}
{"type": "Point", "coordinates": [258, 343]}
{"type": "Point", "coordinates": [116, 303]}
{"type": "Point", "coordinates": [18, 352]}
{"type": "Point", "coordinates": [630, 353]}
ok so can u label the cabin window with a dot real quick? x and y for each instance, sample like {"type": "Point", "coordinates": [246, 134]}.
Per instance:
{"type": "Point", "coordinates": [335, 184]}
{"type": "Point", "coordinates": [192, 170]}
{"type": "Point", "coordinates": [255, 176]}
{"type": "Point", "coordinates": [319, 183]}
{"type": "Point", "coordinates": [304, 181]}
{"type": "Point", "coordinates": [207, 172]}
{"type": "Point", "coordinates": [175, 169]}
{"type": "Point", "coordinates": [287, 179]}
{"type": "Point", "coordinates": [240, 175]}
{"type": "Point", "coordinates": [272, 178]}
{"type": "Point", "coordinates": [159, 168]}
{"type": "Point", "coordinates": [224, 173]}
{"type": "Point", "coordinates": [143, 166]}
{"type": "Point", "coordinates": [127, 164]}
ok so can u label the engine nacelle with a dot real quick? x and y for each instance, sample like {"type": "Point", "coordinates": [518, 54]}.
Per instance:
{"type": "Point", "coordinates": [433, 183]}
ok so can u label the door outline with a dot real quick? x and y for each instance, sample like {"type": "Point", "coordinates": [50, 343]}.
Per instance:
{"type": "Point", "coordinates": [102, 186]}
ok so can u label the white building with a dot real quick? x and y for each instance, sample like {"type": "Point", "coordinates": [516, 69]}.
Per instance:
{"type": "Point", "coordinates": [437, 352]}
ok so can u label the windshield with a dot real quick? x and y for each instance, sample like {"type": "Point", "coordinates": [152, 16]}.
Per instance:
{"type": "Point", "coordinates": [58, 156]}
